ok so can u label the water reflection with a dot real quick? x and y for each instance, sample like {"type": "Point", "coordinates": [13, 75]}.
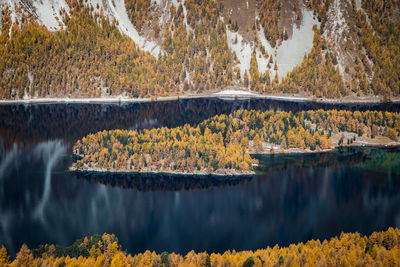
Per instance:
{"type": "Point", "coordinates": [292, 199]}
{"type": "Point", "coordinates": [148, 182]}
{"type": "Point", "coordinates": [31, 124]}
{"type": "Point", "coordinates": [50, 153]}
{"type": "Point", "coordinates": [25, 194]}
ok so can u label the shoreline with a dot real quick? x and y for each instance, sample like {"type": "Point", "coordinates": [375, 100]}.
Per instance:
{"type": "Point", "coordinates": [193, 174]}
{"type": "Point", "coordinates": [299, 151]}
{"type": "Point", "coordinates": [204, 175]}
{"type": "Point", "coordinates": [232, 95]}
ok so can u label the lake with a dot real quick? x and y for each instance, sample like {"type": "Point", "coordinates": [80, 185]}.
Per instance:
{"type": "Point", "coordinates": [293, 198]}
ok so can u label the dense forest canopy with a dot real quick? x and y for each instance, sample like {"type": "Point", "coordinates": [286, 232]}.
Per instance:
{"type": "Point", "coordinates": [378, 249]}
{"type": "Point", "coordinates": [222, 144]}
{"type": "Point", "coordinates": [90, 57]}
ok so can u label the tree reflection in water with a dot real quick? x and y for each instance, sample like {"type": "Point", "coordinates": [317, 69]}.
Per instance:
{"type": "Point", "coordinates": [147, 182]}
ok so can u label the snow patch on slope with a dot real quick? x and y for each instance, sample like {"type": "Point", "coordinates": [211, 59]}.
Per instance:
{"type": "Point", "coordinates": [116, 9]}
{"type": "Point", "coordinates": [263, 40]}
{"type": "Point", "coordinates": [46, 12]}
{"type": "Point", "coordinates": [49, 13]}
{"type": "Point", "coordinates": [291, 52]}
{"type": "Point", "coordinates": [358, 4]}
{"type": "Point", "coordinates": [262, 61]}
{"type": "Point", "coordinates": [287, 56]}
{"type": "Point", "coordinates": [242, 50]}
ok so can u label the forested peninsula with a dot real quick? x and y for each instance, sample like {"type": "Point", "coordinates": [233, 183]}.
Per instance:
{"type": "Point", "coordinates": [222, 145]}
{"type": "Point", "coordinates": [378, 249]}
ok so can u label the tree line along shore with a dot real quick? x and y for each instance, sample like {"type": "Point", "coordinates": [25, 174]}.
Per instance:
{"type": "Point", "coordinates": [349, 249]}
{"type": "Point", "coordinates": [223, 144]}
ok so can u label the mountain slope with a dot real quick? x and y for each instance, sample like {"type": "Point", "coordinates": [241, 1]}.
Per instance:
{"type": "Point", "coordinates": [143, 48]}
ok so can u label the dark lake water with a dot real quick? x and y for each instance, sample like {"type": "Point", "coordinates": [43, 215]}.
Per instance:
{"type": "Point", "coordinates": [293, 198]}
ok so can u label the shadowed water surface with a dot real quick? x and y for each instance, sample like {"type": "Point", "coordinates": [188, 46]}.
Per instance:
{"type": "Point", "coordinates": [292, 198]}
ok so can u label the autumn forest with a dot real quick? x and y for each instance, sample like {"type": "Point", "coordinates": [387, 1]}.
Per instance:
{"type": "Point", "coordinates": [380, 248]}
{"type": "Point", "coordinates": [90, 57]}
{"type": "Point", "coordinates": [199, 133]}
{"type": "Point", "coordinates": [223, 144]}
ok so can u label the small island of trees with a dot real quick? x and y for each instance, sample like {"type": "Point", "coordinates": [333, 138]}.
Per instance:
{"type": "Point", "coordinates": [223, 144]}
